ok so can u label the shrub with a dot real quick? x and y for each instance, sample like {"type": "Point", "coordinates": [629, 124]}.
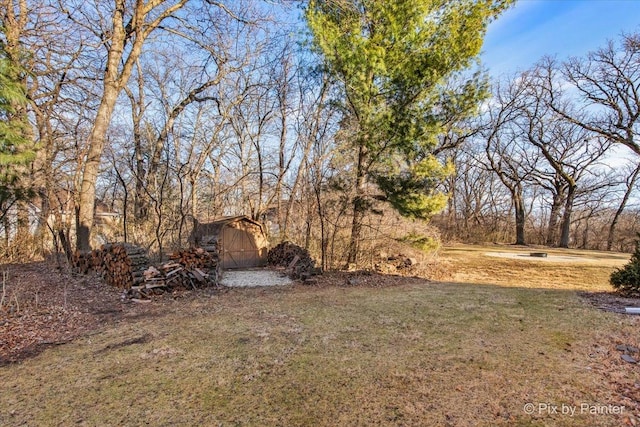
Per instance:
{"type": "Point", "coordinates": [627, 279]}
{"type": "Point", "coordinates": [421, 242]}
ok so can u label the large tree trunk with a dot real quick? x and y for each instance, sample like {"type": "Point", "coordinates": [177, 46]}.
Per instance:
{"type": "Point", "coordinates": [566, 217]}
{"type": "Point", "coordinates": [552, 227]}
{"type": "Point", "coordinates": [113, 83]}
{"type": "Point", "coordinates": [518, 205]}
{"type": "Point", "coordinates": [97, 139]}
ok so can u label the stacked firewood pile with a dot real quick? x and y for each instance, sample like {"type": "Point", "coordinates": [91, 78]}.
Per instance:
{"type": "Point", "coordinates": [82, 262]}
{"type": "Point", "coordinates": [293, 258]}
{"type": "Point", "coordinates": [186, 269]}
{"type": "Point", "coordinates": [120, 264]}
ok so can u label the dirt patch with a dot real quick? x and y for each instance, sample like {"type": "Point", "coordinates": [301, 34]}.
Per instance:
{"type": "Point", "coordinates": [45, 307]}
{"type": "Point", "coordinates": [562, 269]}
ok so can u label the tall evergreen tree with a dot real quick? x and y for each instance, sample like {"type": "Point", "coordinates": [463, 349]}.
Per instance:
{"type": "Point", "coordinates": [393, 60]}
{"type": "Point", "coordinates": [16, 149]}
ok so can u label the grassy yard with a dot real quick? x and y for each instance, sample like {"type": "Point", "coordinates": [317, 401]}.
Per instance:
{"type": "Point", "coordinates": [565, 269]}
{"type": "Point", "coordinates": [418, 353]}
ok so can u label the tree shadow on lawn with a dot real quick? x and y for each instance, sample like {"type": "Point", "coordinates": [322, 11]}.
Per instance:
{"type": "Point", "coordinates": [56, 309]}
{"type": "Point", "coordinates": [476, 339]}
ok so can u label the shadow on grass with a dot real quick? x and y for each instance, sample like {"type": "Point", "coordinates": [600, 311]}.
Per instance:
{"type": "Point", "coordinates": [112, 312]}
{"type": "Point", "coordinates": [385, 350]}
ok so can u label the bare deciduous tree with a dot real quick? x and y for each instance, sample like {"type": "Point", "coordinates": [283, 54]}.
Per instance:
{"type": "Point", "coordinates": [508, 153]}
{"type": "Point", "coordinates": [125, 31]}
{"type": "Point", "coordinates": [608, 81]}
{"type": "Point", "coordinates": [570, 151]}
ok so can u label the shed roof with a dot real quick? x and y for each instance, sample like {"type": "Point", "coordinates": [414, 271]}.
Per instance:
{"type": "Point", "coordinates": [214, 227]}
{"type": "Point", "coordinates": [230, 219]}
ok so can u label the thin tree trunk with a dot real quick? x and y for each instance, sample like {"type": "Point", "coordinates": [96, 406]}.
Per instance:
{"type": "Point", "coordinates": [318, 127]}
{"type": "Point", "coordinates": [317, 189]}
{"type": "Point", "coordinates": [125, 202]}
{"type": "Point", "coordinates": [141, 201]}
{"type": "Point", "coordinates": [257, 211]}
{"type": "Point", "coordinates": [585, 233]}
{"type": "Point", "coordinates": [623, 204]}
{"type": "Point", "coordinates": [22, 217]}
{"type": "Point", "coordinates": [292, 193]}
{"type": "Point", "coordinates": [359, 209]}
{"type": "Point", "coordinates": [6, 225]}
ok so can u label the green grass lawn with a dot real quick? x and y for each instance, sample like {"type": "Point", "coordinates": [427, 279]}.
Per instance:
{"type": "Point", "coordinates": [417, 354]}
{"type": "Point", "coordinates": [432, 354]}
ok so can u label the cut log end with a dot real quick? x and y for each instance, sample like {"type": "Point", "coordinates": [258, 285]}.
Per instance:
{"type": "Point", "coordinates": [538, 254]}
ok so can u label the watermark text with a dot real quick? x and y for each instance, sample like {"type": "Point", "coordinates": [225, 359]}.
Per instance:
{"type": "Point", "coordinates": [546, 408]}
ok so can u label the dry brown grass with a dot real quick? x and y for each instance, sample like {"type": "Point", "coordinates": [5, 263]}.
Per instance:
{"type": "Point", "coordinates": [567, 269]}
{"type": "Point", "coordinates": [420, 353]}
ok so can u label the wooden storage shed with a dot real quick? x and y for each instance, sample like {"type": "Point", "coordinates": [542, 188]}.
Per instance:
{"type": "Point", "coordinates": [241, 242]}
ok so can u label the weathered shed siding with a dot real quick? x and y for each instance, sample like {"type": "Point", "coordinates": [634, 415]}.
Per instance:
{"type": "Point", "coordinates": [242, 242]}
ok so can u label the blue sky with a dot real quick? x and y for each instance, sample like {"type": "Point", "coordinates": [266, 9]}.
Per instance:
{"type": "Point", "coordinates": [534, 28]}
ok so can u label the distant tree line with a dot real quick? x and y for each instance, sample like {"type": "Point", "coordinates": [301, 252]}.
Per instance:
{"type": "Point", "coordinates": [555, 156]}
{"type": "Point", "coordinates": [130, 119]}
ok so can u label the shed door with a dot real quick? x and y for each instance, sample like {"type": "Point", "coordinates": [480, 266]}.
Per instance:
{"type": "Point", "coordinates": [239, 249]}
